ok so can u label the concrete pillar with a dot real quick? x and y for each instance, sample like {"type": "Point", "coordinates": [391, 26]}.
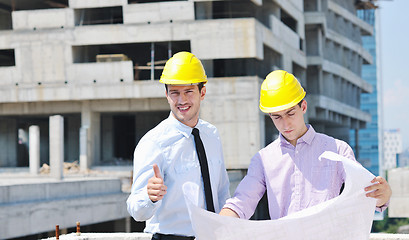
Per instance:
{"type": "Point", "coordinates": [56, 146]}
{"type": "Point", "coordinates": [34, 149]}
{"type": "Point", "coordinates": [128, 224]}
{"type": "Point", "coordinates": [84, 158]}
{"type": "Point", "coordinates": [90, 137]}
{"type": "Point", "coordinates": [357, 143]}
{"type": "Point", "coordinates": [321, 41]}
{"type": "Point", "coordinates": [276, 11]}
{"type": "Point", "coordinates": [320, 79]}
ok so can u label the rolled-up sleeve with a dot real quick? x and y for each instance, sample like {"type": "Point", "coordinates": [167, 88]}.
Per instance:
{"type": "Point", "coordinates": [345, 150]}
{"type": "Point", "coordinates": [250, 190]}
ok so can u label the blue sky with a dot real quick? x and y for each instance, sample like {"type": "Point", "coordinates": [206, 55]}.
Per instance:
{"type": "Point", "coordinates": [394, 60]}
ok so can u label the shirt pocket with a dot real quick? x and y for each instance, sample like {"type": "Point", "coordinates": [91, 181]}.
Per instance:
{"type": "Point", "coordinates": [214, 164]}
{"type": "Point", "coordinates": [322, 179]}
{"type": "Point", "coordinates": [185, 167]}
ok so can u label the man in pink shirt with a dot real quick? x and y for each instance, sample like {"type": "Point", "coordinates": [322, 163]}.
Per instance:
{"type": "Point", "coordinates": [288, 168]}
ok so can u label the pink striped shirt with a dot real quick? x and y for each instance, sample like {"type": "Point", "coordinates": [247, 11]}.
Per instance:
{"type": "Point", "coordinates": [294, 177]}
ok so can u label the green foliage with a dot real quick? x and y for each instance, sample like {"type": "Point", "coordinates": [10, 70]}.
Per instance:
{"type": "Point", "coordinates": [389, 225]}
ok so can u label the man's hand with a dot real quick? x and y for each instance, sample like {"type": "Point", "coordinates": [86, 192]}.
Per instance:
{"type": "Point", "coordinates": [380, 190]}
{"type": "Point", "coordinates": [156, 188]}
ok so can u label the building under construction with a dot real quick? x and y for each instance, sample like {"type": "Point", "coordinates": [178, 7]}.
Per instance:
{"type": "Point", "coordinates": [97, 64]}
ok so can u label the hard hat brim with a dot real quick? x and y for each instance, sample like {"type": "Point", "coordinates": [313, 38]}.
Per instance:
{"type": "Point", "coordinates": [180, 83]}
{"type": "Point", "coordinates": [282, 107]}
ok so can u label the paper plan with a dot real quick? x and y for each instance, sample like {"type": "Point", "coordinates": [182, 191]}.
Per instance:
{"type": "Point", "coordinates": [348, 216]}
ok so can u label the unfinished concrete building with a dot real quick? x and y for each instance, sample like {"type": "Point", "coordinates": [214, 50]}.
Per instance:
{"type": "Point", "coordinates": [97, 64]}
{"type": "Point", "coordinates": [335, 56]}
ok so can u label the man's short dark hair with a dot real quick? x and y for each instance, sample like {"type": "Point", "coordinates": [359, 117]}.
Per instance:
{"type": "Point", "coordinates": [299, 104]}
{"type": "Point", "coordinates": [200, 86]}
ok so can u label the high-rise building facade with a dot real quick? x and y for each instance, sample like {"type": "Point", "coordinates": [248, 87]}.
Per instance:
{"type": "Point", "coordinates": [369, 149]}
{"type": "Point", "coordinates": [392, 147]}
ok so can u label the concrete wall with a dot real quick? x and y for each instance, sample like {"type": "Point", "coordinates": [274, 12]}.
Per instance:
{"type": "Point", "coordinates": [102, 72]}
{"type": "Point", "coordinates": [159, 12]}
{"type": "Point", "coordinates": [331, 105]}
{"type": "Point", "coordinates": [364, 27]}
{"type": "Point", "coordinates": [274, 41]}
{"type": "Point", "coordinates": [111, 105]}
{"type": "Point", "coordinates": [398, 179]}
{"type": "Point", "coordinates": [50, 93]}
{"type": "Point", "coordinates": [95, 3]}
{"type": "Point", "coordinates": [232, 107]}
{"type": "Point", "coordinates": [222, 38]}
{"type": "Point", "coordinates": [40, 19]}
{"type": "Point", "coordinates": [47, 57]}
{"type": "Point", "coordinates": [9, 75]}
{"type": "Point", "coordinates": [27, 209]}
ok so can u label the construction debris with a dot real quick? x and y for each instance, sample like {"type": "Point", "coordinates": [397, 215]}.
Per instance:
{"type": "Point", "coordinates": [69, 167]}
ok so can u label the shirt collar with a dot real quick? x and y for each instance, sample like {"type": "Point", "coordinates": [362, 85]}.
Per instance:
{"type": "Point", "coordinates": [307, 137]}
{"type": "Point", "coordinates": [185, 130]}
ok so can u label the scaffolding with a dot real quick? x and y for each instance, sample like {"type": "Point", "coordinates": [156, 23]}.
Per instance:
{"type": "Point", "coordinates": [367, 4]}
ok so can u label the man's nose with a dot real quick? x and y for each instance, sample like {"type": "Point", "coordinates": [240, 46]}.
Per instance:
{"type": "Point", "coordinates": [182, 98]}
{"type": "Point", "coordinates": [286, 123]}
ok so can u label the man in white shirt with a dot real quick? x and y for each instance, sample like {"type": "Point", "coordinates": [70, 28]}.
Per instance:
{"type": "Point", "coordinates": [167, 157]}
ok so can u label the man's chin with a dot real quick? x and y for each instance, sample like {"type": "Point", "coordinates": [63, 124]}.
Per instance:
{"type": "Point", "coordinates": [288, 138]}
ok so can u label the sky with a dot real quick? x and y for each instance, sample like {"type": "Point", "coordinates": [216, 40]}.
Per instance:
{"type": "Point", "coordinates": [394, 60]}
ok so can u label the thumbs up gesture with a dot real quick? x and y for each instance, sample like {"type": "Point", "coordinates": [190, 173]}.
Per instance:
{"type": "Point", "coordinates": [156, 188]}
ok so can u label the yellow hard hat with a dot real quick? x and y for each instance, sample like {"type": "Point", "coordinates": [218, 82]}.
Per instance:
{"type": "Point", "coordinates": [279, 91]}
{"type": "Point", "coordinates": [182, 69]}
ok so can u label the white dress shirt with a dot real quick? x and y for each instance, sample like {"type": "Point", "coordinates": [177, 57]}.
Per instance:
{"type": "Point", "coordinates": [171, 146]}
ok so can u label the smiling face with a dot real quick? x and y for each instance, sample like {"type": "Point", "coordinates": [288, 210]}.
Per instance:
{"type": "Point", "coordinates": [290, 122]}
{"type": "Point", "coordinates": [184, 102]}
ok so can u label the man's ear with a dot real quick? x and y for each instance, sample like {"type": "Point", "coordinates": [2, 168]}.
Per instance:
{"type": "Point", "coordinates": [202, 92]}
{"type": "Point", "coordinates": [166, 90]}
{"type": "Point", "coordinates": [304, 106]}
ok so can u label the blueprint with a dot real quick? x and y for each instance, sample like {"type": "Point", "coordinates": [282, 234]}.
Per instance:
{"type": "Point", "coordinates": [348, 216]}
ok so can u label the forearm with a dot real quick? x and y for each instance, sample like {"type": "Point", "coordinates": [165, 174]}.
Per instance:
{"type": "Point", "coordinates": [140, 207]}
{"type": "Point", "coordinates": [228, 212]}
